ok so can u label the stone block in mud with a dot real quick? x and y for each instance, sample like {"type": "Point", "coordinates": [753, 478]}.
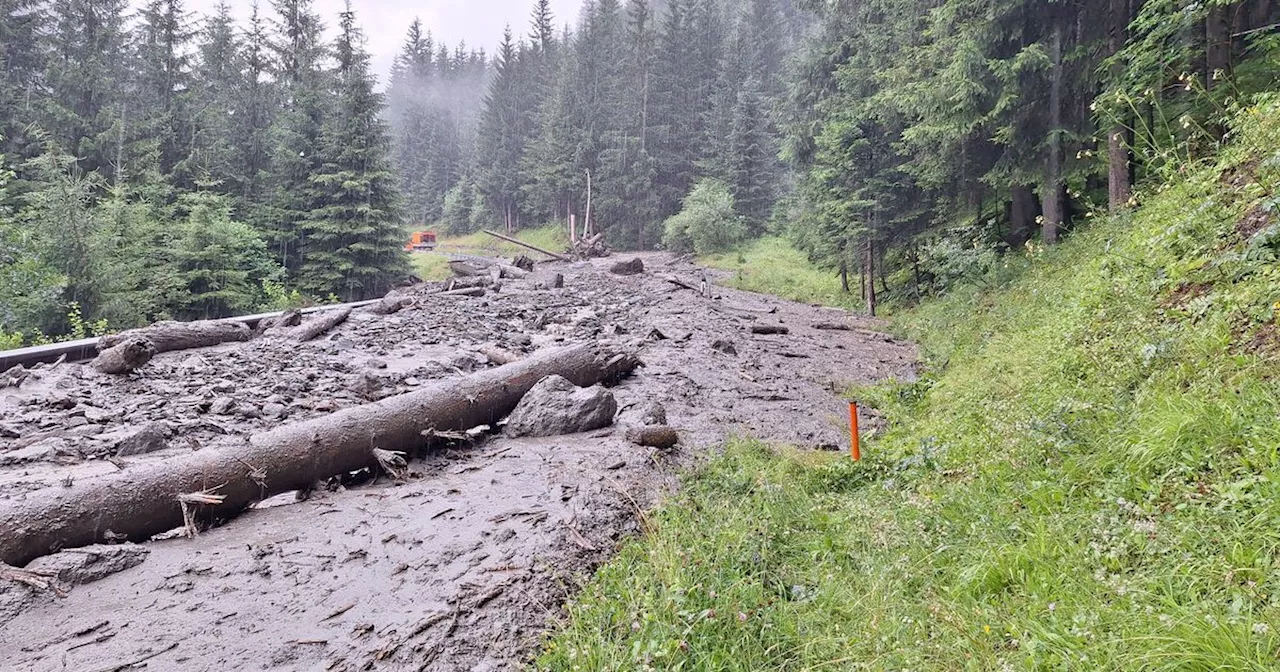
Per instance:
{"type": "Point", "coordinates": [628, 267]}
{"type": "Point", "coordinates": [152, 437]}
{"type": "Point", "coordinates": [653, 413]}
{"type": "Point", "coordinates": [556, 406]}
{"type": "Point", "coordinates": [90, 563]}
{"type": "Point", "coordinates": [727, 347]}
{"type": "Point", "coordinates": [654, 436]}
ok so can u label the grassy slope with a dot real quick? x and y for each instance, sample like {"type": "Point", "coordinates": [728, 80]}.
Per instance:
{"type": "Point", "coordinates": [435, 266]}
{"type": "Point", "coordinates": [1089, 481]}
{"type": "Point", "coordinates": [772, 266]}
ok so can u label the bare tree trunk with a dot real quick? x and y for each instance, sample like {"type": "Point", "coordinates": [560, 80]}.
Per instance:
{"type": "Point", "coordinates": [1217, 46]}
{"type": "Point", "coordinates": [871, 278]}
{"type": "Point", "coordinates": [586, 222]}
{"type": "Point", "coordinates": [844, 276]}
{"type": "Point", "coordinates": [1052, 197]}
{"type": "Point", "coordinates": [1119, 188]}
{"type": "Point", "coordinates": [915, 271]}
{"type": "Point", "coordinates": [1260, 14]}
{"type": "Point", "coordinates": [1022, 214]}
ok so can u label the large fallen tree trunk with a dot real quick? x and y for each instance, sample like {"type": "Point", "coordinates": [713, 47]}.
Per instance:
{"type": "Point", "coordinates": [168, 336]}
{"type": "Point", "coordinates": [143, 499]}
{"type": "Point", "coordinates": [316, 326]}
{"type": "Point", "coordinates": [125, 356]}
{"type": "Point", "coordinates": [521, 243]}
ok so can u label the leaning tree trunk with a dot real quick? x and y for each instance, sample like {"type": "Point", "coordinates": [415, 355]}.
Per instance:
{"type": "Point", "coordinates": [1022, 214]}
{"type": "Point", "coordinates": [1119, 188]}
{"type": "Point", "coordinates": [1052, 197]}
{"type": "Point", "coordinates": [870, 267]}
{"type": "Point", "coordinates": [143, 499]}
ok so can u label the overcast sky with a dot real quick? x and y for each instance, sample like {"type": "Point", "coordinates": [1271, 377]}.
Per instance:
{"type": "Point", "coordinates": [478, 22]}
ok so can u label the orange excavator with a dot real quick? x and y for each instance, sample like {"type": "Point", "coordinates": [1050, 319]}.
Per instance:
{"type": "Point", "coordinates": [421, 241]}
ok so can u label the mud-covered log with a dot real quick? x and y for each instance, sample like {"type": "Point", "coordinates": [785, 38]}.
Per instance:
{"type": "Point", "coordinates": [465, 291]}
{"type": "Point", "coordinates": [512, 272]}
{"type": "Point", "coordinates": [391, 303]}
{"type": "Point", "coordinates": [142, 500]}
{"type": "Point", "coordinates": [318, 325]}
{"type": "Point", "coordinates": [168, 336]}
{"type": "Point", "coordinates": [832, 326]}
{"type": "Point", "coordinates": [769, 329]}
{"type": "Point", "coordinates": [467, 269]}
{"type": "Point", "coordinates": [125, 356]}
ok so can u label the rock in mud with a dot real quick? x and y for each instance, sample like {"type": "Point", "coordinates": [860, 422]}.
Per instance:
{"type": "Point", "coordinates": [13, 377]}
{"type": "Point", "coordinates": [223, 406]}
{"type": "Point", "coordinates": [653, 413]}
{"type": "Point", "coordinates": [654, 436]}
{"type": "Point", "coordinates": [90, 563]}
{"type": "Point", "coordinates": [556, 406]}
{"type": "Point", "coordinates": [628, 267]}
{"type": "Point", "coordinates": [149, 439]}
{"type": "Point", "coordinates": [727, 347]}
{"type": "Point", "coordinates": [44, 450]}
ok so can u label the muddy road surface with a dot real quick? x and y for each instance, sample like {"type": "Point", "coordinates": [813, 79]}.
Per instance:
{"type": "Point", "coordinates": [467, 562]}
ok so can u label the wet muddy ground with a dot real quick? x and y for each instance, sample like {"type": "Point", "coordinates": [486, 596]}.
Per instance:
{"type": "Point", "coordinates": [465, 565]}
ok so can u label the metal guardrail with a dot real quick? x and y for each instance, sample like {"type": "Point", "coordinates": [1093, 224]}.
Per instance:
{"type": "Point", "coordinates": [87, 348]}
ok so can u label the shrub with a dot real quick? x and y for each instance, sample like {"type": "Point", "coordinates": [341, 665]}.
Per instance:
{"type": "Point", "coordinates": [707, 223]}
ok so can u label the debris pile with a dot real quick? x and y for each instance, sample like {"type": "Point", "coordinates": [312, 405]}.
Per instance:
{"type": "Point", "coordinates": [422, 475]}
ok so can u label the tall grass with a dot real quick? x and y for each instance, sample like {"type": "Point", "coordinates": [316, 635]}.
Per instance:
{"type": "Point", "coordinates": [435, 265]}
{"type": "Point", "coordinates": [770, 265]}
{"type": "Point", "coordinates": [1089, 479]}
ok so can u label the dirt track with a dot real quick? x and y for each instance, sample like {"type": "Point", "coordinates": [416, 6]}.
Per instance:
{"type": "Point", "coordinates": [461, 568]}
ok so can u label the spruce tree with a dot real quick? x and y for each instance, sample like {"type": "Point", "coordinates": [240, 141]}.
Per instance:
{"type": "Point", "coordinates": [84, 109]}
{"type": "Point", "coordinates": [353, 234]}
{"type": "Point", "coordinates": [295, 133]}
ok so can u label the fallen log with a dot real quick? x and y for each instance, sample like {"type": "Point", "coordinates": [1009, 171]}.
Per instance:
{"type": "Point", "coordinates": [832, 326]}
{"type": "Point", "coordinates": [679, 283]}
{"type": "Point", "coordinates": [769, 329]}
{"type": "Point", "coordinates": [125, 356]}
{"type": "Point", "coordinates": [318, 325]}
{"type": "Point", "coordinates": [498, 355]}
{"type": "Point", "coordinates": [391, 303]}
{"type": "Point", "coordinates": [521, 243]}
{"type": "Point", "coordinates": [168, 335]}
{"type": "Point", "coordinates": [467, 269]}
{"type": "Point", "coordinates": [143, 500]}
{"type": "Point", "coordinates": [465, 291]}
{"type": "Point", "coordinates": [462, 283]}
{"type": "Point", "coordinates": [273, 325]}
{"type": "Point", "coordinates": [512, 272]}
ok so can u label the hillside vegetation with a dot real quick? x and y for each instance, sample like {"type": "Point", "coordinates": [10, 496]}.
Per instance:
{"type": "Point", "coordinates": [1087, 477]}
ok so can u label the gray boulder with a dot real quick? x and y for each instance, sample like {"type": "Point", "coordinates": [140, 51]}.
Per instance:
{"type": "Point", "coordinates": [556, 406]}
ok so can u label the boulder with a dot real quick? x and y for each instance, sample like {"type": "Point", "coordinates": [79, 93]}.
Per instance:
{"type": "Point", "coordinates": [654, 436]}
{"type": "Point", "coordinates": [152, 437]}
{"type": "Point", "coordinates": [556, 406]}
{"type": "Point", "coordinates": [628, 267]}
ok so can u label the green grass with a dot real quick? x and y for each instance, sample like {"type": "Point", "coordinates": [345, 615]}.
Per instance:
{"type": "Point", "coordinates": [435, 265]}
{"type": "Point", "coordinates": [771, 265]}
{"type": "Point", "coordinates": [1089, 479]}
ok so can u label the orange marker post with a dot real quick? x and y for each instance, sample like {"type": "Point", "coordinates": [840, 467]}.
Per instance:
{"type": "Point", "coordinates": [854, 450]}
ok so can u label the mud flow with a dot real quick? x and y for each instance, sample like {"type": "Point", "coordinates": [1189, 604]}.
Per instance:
{"type": "Point", "coordinates": [463, 559]}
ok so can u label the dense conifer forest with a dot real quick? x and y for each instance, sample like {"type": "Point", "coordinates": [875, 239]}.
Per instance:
{"type": "Point", "coordinates": [159, 164]}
